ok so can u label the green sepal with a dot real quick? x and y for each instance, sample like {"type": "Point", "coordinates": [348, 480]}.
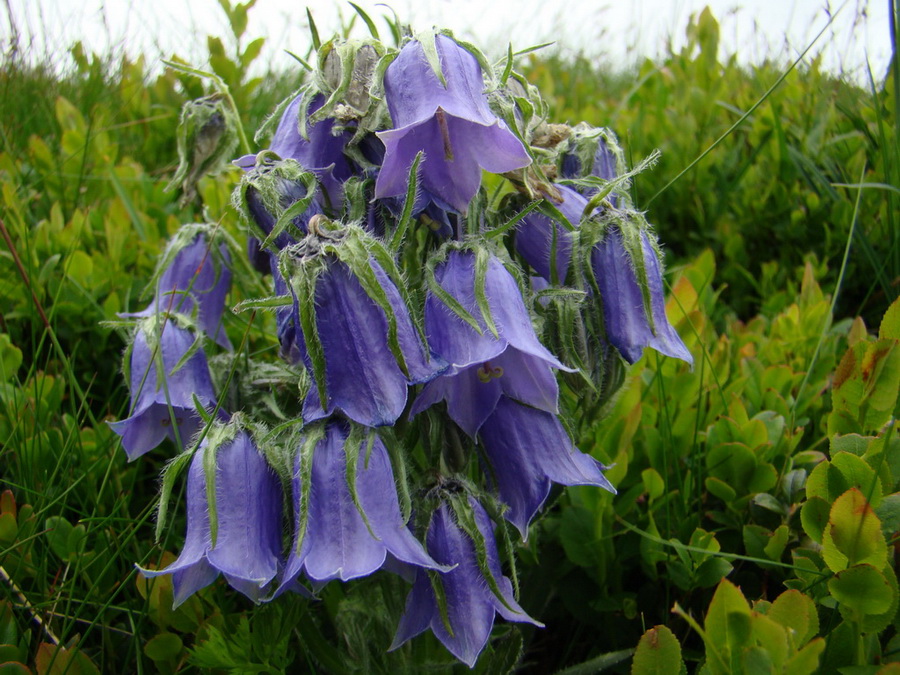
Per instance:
{"type": "Point", "coordinates": [440, 597]}
{"type": "Point", "coordinates": [298, 208]}
{"type": "Point", "coordinates": [401, 474]}
{"type": "Point", "coordinates": [481, 265]}
{"type": "Point", "coordinates": [312, 434]}
{"type": "Point", "coordinates": [408, 203]}
{"type": "Point", "coordinates": [507, 69]}
{"type": "Point", "coordinates": [310, 330]}
{"type": "Point", "coordinates": [353, 253]}
{"type": "Point", "coordinates": [353, 447]}
{"type": "Point", "coordinates": [451, 303]}
{"type": "Point", "coordinates": [170, 474]}
{"type": "Point", "coordinates": [620, 183]}
{"type": "Point", "coordinates": [512, 222]}
{"type": "Point", "coordinates": [465, 518]}
{"type": "Point", "coordinates": [313, 31]}
{"type": "Point", "coordinates": [272, 302]}
{"type": "Point", "coordinates": [219, 434]}
{"type": "Point", "coordinates": [428, 40]}
{"type": "Point", "coordinates": [367, 20]}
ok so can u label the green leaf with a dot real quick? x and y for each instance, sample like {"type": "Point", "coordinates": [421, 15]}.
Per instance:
{"type": "Point", "coordinates": [890, 324]}
{"type": "Point", "coordinates": [10, 358]}
{"type": "Point", "coordinates": [653, 483]}
{"type": "Point", "coordinates": [863, 589]}
{"type": "Point", "coordinates": [720, 489]}
{"type": "Point", "coordinates": [58, 533]}
{"type": "Point", "coordinates": [806, 661]}
{"type": "Point", "coordinates": [853, 534]}
{"type": "Point", "coordinates": [658, 653]}
{"type": "Point", "coordinates": [794, 610]}
{"type": "Point", "coordinates": [875, 623]}
{"type": "Point", "coordinates": [727, 622]}
{"type": "Point", "coordinates": [857, 472]}
{"type": "Point", "coordinates": [164, 647]}
{"type": "Point", "coordinates": [814, 517]}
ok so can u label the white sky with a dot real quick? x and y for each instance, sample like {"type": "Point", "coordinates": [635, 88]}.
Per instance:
{"type": "Point", "coordinates": [618, 32]}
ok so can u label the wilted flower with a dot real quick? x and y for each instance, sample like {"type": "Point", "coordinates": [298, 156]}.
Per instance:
{"type": "Point", "coordinates": [452, 124]}
{"type": "Point", "coordinates": [160, 394]}
{"type": "Point", "coordinates": [484, 367]}
{"type": "Point", "coordinates": [363, 377]}
{"type": "Point", "coordinates": [630, 324]}
{"type": "Point", "coordinates": [337, 541]}
{"type": "Point", "coordinates": [207, 139]}
{"type": "Point", "coordinates": [248, 521]}
{"type": "Point", "coordinates": [197, 275]}
{"type": "Point", "coordinates": [528, 450]}
{"type": "Point", "coordinates": [470, 603]}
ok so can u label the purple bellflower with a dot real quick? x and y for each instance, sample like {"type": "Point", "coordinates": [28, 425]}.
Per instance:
{"type": "Point", "coordinates": [535, 236]}
{"type": "Point", "coordinates": [629, 325]}
{"type": "Point", "coordinates": [483, 367]}
{"type": "Point", "coordinates": [528, 450]}
{"type": "Point", "coordinates": [158, 401]}
{"type": "Point", "coordinates": [471, 605]}
{"type": "Point", "coordinates": [321, 152]}
{"type": "Point", "coordinates": [248, 515]}
{"type": "Point", "coordinates": [452, 124]}
{"type": "Point", "coordinates": [196, 276]}
{"type": "Point", "coordinates": [337, 542]}
{"type": "Point", "coordinates": [362, 376]}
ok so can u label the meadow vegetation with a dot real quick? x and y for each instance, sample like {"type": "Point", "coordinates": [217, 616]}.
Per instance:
{"type": "Point", "coordinates": [757, 517]}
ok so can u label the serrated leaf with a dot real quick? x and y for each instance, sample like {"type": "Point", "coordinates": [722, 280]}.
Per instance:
{"type": "Point", "coordinates": [796, 611]}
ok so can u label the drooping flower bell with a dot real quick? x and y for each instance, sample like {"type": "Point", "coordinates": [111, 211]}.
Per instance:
{"type": "Point", "coordinates": [246, 544]}
{"type": "Point", "coordinates": [343, 533]}
{"type": "Point", "coordinates": [626, 267]}
{"type": "Point", "coordinates": [195, 273]}
{"type": "Point", "coordinates": [162, 387]}
{"type": "Point", "coordinates": [544, 243]}
{"type": "Point", "coordinates": [528, 449]}
{"type": "Point", "coordinates": [470, 602]}
{"type": "Point", "coordinates": [352, 328]}
{"type": "Point", "coordinates": [484, 367]}
{"type": "Point", "coordinates": [319, 150]}
{"type": "Point", "coordinates": [448, 118]}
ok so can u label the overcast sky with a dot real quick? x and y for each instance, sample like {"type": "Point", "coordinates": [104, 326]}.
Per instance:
{"type": "Point", "coordinates": [619, 32]}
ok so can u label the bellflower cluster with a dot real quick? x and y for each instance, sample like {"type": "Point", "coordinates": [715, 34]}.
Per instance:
{"type": "Point", "coordinates": [434, 344]}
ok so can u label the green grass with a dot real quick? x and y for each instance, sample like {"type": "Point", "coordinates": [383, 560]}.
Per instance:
{"type": "Point", "coordinates": [757, 231]}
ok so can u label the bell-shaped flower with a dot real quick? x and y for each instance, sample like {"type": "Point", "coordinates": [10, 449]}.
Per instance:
{"type": "Point", "coordinates": [364, 360]}
{"type": "Point", "coordinates": [162, 387]}
{"type": "Point", "coordinates": [470, 602]}
{"type": "Point", "coordinates": [484, 367]}
{"type": "Point", "coordinates": [528, 449]}
{"type": "Point", "coordinates": [247, 543]}
{"type": "Point", "coordinates": [538, 237]}
{"type": "Point", "coordinates": [321, 151]}
{"type": "Point", "coordinates": [634, 303]}
{"type": "Point", "coordinates": [452, 123]}
{"type": "Point", "coordinates": [196, 274]}
{"type": "Point", "coordinates": [342, 533]}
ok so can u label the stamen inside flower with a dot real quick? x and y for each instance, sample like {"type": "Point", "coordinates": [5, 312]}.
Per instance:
{"type": "Point", "coordinates": [445, 134]}
{"type": "Point", "coordinates": [487, 372]}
